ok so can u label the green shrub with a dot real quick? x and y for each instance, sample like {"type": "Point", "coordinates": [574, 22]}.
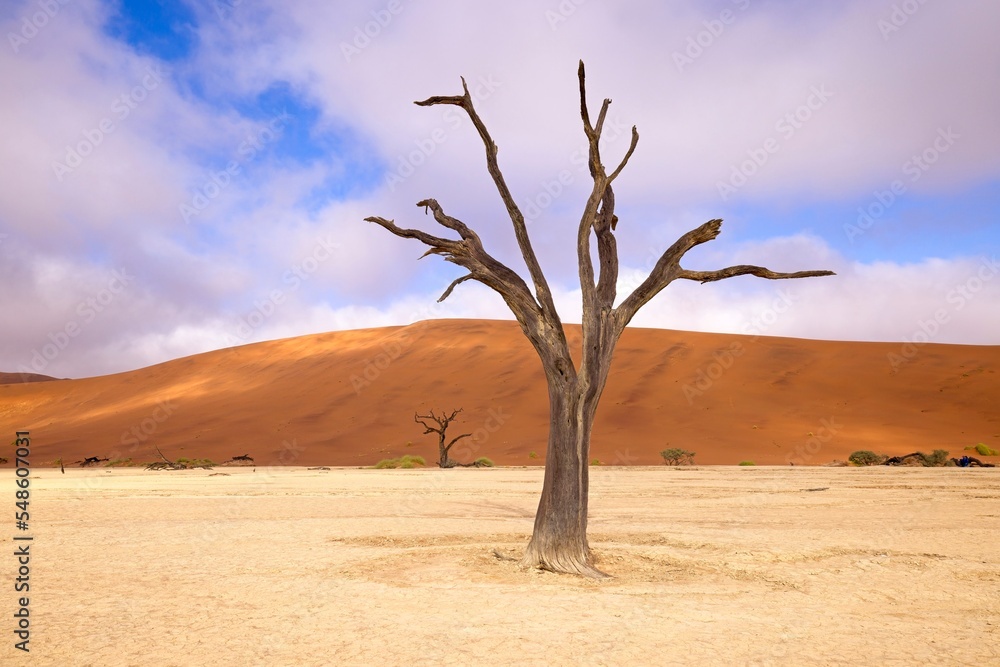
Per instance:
{"type": "Point", "coordinates": [747, 463]}
{"type": "Point", "coordinates": [405, 461]}
{"type": "Point", "coordinates": [938, 458]}
{"type": "Point", "coordinates": [483, 462]}
{"type": "Point", "coordinates": [675, 457]}
{"type": "Point", "coordinates": [986, 451]}
{"type": "Point", "coordinates": [532, 455]}
{"type": "Point", "coordinates": [196, 463]}
{"type": "Point", "coordinates": [864, 457]}
{"type": "Point", "coordinates": [596, 462]}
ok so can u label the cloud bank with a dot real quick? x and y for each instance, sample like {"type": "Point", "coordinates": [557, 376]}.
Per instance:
{"type": "Point", "coordinates": [203, 183]}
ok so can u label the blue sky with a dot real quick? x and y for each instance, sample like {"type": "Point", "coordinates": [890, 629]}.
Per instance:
{"type": "Point", "coordinates": [186, 176]}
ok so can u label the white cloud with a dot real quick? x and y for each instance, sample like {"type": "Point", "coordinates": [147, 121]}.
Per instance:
{"type": "Point", "coordinates": [877, 99]}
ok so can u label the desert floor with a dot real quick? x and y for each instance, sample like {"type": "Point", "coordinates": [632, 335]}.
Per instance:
{"type": "Point", "coordinates": [711, 565]}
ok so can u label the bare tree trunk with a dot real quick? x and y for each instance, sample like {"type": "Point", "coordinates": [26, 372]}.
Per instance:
{"type": "Point", "coordinates": [559, 540]}
{"type": "Point", "coordinates": [443, 461]}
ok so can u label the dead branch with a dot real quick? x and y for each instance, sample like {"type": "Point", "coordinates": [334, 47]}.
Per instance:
{"type": "Point", "coordinates": [542, 291]}
{"type": "Point", "coordinates": [167, 464]}
{"type": "Point", "coordinates": [668, 268]}
{"type": "Point", "coordinates": [91, 461]}
{"type": "Point", "coordinates": [244, 460]}
{"type": "Point", "coordinates": [442, 421]}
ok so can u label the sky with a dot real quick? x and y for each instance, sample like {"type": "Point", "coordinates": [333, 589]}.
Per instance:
{"type": "Point", "coordinates": [179, 177]}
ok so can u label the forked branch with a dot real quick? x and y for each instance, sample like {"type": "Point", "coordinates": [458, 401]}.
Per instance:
{"type": "Point", "coordinates": [442, 421]}
{"type": "Point", "coordinates": [470, 254]}
{"type": "Point", "coordinates": [464, 101]}
{"type": "Point", "coordinates": [668, 268]}
{"type": "Point", "coordinates": [599, 212]}
{"type": "Point", "coordinates": [440, 428]}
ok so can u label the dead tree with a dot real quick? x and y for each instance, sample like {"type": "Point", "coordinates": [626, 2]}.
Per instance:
{"type": "Point", "coordinates": [244, 460]}
{"type": "Point", "coordinates": [91, 461]}
{"type": "Point", "coordinates": [559, 540]}
{"type": "Point", "coordinates": [442, 425]}
{"type": "Point", "coordinates": [971, 461]}
{"type": "Point", "coordinates": [165, 463]}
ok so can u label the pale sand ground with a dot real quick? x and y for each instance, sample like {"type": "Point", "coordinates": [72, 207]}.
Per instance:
{"type": "Point", "coordinates": [360, 567]}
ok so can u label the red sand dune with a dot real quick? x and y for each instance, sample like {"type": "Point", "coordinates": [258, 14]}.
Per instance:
{"type": "Point", "coordinates": [13, 378]}
{"type": "Point", "coordinates": [348, 398]}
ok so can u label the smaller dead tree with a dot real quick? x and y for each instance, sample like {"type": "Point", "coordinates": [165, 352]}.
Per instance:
{"type": "Point", "coordinates": [441, 426]}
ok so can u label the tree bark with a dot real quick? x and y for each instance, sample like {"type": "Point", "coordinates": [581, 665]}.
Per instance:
{"type": "Point", "coordinates": [559, 539]}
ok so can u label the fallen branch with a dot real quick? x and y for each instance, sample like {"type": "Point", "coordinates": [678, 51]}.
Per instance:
{"type": "Point", "coordinates": [167, 464]}
{"type": "Point", "coordinates": [90, 461]}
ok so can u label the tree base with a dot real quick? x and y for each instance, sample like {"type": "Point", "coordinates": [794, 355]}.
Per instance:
{"type": "Point", "coordinates": [563, 561]}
